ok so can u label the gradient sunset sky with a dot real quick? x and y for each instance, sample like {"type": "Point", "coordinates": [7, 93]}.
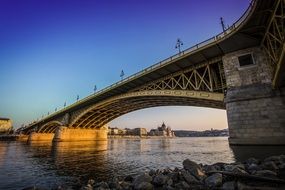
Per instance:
{"type": "Point", "coordinates": [53, 50]}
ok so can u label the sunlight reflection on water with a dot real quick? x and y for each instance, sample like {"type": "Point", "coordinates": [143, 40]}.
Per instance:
{"type": "Point", "coordinates": [49, 164]}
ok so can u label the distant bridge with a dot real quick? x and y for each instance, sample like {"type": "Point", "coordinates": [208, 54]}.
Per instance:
{"type": "Point", "coordinates": [240, 70]}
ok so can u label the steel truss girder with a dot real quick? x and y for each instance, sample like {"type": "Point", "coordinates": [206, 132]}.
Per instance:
{"type": "Point", "coordinates": [274, 38]}
{"type": "Point", "coordinates": [208, 77]}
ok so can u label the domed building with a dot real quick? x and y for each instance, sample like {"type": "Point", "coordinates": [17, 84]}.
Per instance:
{"type": "Point", "coordinates": [162, 131]}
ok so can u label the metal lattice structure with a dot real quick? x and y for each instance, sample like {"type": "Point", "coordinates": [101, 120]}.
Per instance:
{"type": "Point", "coordinates": [207, 77]}
{"type": "Point", "coordinates": [273, 41]}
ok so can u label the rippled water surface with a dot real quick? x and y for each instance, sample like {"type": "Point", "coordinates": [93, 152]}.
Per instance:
{"type": "Point", "coordinates": [49, 164]}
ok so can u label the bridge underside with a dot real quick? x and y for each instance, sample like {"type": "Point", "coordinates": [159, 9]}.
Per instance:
{"type": "Point", "coordinates": [99, 115]}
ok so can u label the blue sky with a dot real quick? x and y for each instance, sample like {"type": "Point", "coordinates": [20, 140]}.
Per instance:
{"type": "Point", "coordinates": [53, 50]}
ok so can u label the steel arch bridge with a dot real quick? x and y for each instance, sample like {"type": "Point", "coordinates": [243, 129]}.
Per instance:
{"type": "Point", "coordinates": [205, 75]}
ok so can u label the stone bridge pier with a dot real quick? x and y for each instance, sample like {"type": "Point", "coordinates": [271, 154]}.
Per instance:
{"type": "Point", "coordinates": [64, 133]}
{"type": "Point", "coordinates": [256, 111]}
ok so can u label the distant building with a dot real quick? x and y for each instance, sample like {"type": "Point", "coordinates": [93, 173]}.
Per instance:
{"type": "Point", "coordinates": [162, 131]}
{"type": "Point", "coordinates": [137, 132]}
{"type": "Point", "coordinates": [5, 125]}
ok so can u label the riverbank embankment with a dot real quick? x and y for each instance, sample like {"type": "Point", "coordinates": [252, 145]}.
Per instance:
{"type": "Point", "coordinates": [268, 174]}
{"type": "Point", "coordinates": [137, 137]}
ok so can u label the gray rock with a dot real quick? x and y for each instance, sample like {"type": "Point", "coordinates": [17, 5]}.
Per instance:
{"type": "Point", "coordinates": [152, 172]}
{"type": "Point", "coordinates": [182, 185]}
{"type": "Point", "coordinates": [238, 169]}
{"type": "Point", "coordinates": [282, 158]}
{"type": "Point", "coordinates": [229, 167]}
{"type": "Point", "coordinates": [281, 166]}
{"type": "Point", "coordinates": [144, 177]}
{"type": "Point", "coordinates": [209, 168]}
{"type": "Point", "coordinates": [101, 186]}
{"type": "Point", "coordinates": [144, 186]}
{"type": "Point", "coordinates": [174, 176]}
{"type": "Point", "coordinates": [214, 180]}
{"type": "Point", "coordinates": [270, 165]}
{"type": "Point", "coordinates": [241, 186]}
{"type": "Point", "coordinates": [276, 159]}
{"type": "Point", "coordinates": [91, 182]}
{"type": "Point", "coordinates": [160, 180]}
{"type": "Point", "coordinates": [252, 161]}
{"type": "Point", "coordinates": [253, 168]}
{"type": "Point", "coordinates": [125, 185]}
{"type": "Point", "coordinates": [229, 185]}
{"type": "Point", "coordinates": [190, 179]}
{"type": "Point", "coordinates": [266, 173]}
{"type": "Point", "coordinates": [129, 178]}
{"type": "Point", "coordinates": [193, 168]}
{"type": "Point", "coordinates": [169, 182]}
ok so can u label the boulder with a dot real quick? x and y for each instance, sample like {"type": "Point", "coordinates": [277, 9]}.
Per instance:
{"type": "Point", "coordinates": [152, 172]}
{"type": "Point", "coordinates": [174, 176]}
{"type": "Point", "coordinates": [125, 185]}
{"type": "Point", "coordinates": [182, 185]}
{"type": "Point", "coordinates": [270, 165]}
{"type": "Point", "coordinates": [160, 180]}
{"type": "Point", "coordinates": [190, 179]}
{"type": "Point", "coordinates": [129, 178]}
{"type": "Point", "coordinates": [101, 186]}
{"type": "Point", "coordinates": [194, 168]}
{"type": "Point", "coordinates": [214, 180]}
{"type": "Point", "coordinates": [144, 186]}
{"type": "Point", "coordinates": [266, 173]}
{"type": "Point", "coordinates": [276, 159]}
{"type": "Point", "coordinates": [252, 161]}
{"type": "Point", "coordinates": [229, 185]}
{"type": "Point", "coordinates": [253, 168]}
{"type": "Point", "coordinates": [142, 181]}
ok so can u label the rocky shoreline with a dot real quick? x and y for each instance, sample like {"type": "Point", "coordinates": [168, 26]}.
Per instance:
{"type": "Point", "coordinates": [268, 174]}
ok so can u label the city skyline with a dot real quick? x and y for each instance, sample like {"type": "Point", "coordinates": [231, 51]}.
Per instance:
{"type": "Point", "coordinates": [54, 51]}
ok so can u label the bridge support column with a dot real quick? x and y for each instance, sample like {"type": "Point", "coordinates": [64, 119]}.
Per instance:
{"type": "Point", "coordinates": [256, 112]}
{"type": "Point", "coordinates": [71, 134]}
{"type": "Point", "coordinates": [40, 136]}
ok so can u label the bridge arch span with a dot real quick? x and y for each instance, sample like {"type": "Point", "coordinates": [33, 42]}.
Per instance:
{"type": "Point", "coordinates": [50, 127]}
{"type": "Point", "coordinates": [101, 113]}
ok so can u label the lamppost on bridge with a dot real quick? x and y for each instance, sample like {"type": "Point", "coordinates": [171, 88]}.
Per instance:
{"type": "Point", "coordinates": [95, 88]}
{"type": "Point", "coordinates": [223, 24]}
{"type": "Point", "coordinates": [122, 74]}
{"type": "Point", "coordinates": [178, 45]}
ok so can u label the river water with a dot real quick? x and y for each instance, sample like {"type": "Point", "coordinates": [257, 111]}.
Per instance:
{"type": "Point", "coordinates": [48, 165]}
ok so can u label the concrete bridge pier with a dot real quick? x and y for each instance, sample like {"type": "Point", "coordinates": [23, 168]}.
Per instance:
{"type": "Point", "coordinates": [34, 136]}
{"type": "Point", "coordinates": [64, 133]}
{"type": "Point", "coordinates": [256, 111]}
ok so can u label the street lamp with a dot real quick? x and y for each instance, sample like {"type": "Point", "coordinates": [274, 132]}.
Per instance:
{"type": "Point", "coordinates": [122, 74]}
{"type": "Point", "coordinates": [223, 24]}
{"type": "Point", "coordinates": [179, 43]}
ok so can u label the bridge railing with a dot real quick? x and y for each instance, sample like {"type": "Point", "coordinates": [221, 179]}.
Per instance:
{"type": "Point", "coordinates": [166, 61]}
